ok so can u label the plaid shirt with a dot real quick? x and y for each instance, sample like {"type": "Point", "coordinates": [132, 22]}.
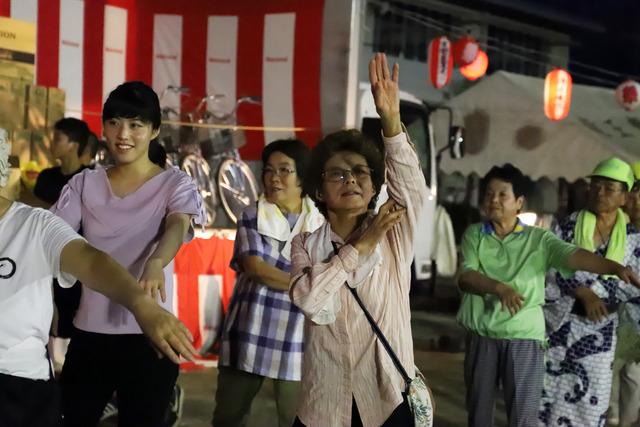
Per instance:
{"type": "Point", "coordinates": [263, 330]}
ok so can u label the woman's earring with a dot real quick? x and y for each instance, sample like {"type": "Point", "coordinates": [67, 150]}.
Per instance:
{"type": "Point", "coordinates": [319, 195]}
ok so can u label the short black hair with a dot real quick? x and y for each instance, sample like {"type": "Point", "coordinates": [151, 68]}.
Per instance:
{"type": "Point", "coordinates": [157, 153]}
{"type": "Point", "coordinates": [133, 100]}
{"type": "Point", "coordinates": [507, 173]}
{"type": "Point", "coordinates": [293, 148]}
{"type": "Point", "coordinates": [344, 140]}
{"type": "Point", "coordinates": [76, 130]}
{"type": "Point", "coordinates": [92, 144]}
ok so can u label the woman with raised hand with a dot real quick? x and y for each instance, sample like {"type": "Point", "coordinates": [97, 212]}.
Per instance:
{"type": "Point", "coordinates": [349, 377]}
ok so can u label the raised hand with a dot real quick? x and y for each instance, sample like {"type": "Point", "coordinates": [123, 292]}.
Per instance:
{"type": "Point", "coordinates": [386, 93]}
{"type": "Point", "coordinates": [389, 215]}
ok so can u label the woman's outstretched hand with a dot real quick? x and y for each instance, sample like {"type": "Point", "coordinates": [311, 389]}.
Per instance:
{"type": "Point", "coordinates": [386, 93]}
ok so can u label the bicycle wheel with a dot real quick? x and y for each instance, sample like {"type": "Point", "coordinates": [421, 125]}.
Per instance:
{"type": "Point", "coordinates": [198, 169]}
{"type": "Point", "coordinates": [238, 187]}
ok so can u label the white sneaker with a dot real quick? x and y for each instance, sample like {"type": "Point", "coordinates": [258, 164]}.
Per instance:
{"type": "Point", "coordinates": [176, 405]}
{"type": "Point", "coordinates": [111, 410]}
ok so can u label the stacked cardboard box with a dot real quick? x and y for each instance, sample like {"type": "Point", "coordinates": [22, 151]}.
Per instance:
{"type": "Point", "coordinates": [13, 93]}
{"type": "Point", "coordinates": [28, 112]}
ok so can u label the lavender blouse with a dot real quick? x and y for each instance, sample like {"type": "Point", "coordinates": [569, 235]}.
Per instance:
{"type": "Point", "coordinates": [127, 228]}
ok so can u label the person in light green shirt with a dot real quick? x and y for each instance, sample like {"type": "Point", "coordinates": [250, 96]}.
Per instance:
{"type": "Point", "coordinates": [502, 281]}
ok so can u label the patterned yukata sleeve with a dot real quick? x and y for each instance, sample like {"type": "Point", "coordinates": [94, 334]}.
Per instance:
{"type": "Point", "coordinates": [568, 284]}
{"type": "Point", "coordinates": [629, 295]}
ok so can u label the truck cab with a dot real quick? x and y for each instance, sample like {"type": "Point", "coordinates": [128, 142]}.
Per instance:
{"type": "Point", "coordinates": [415, 116]}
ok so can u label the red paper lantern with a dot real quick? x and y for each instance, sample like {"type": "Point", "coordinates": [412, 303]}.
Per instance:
{"type": "Point", "coordinates": [477, 68]}
{"type": "Point", "coordinates": [465, 51]}
{"type": "Point", "coordinates": [628, 95]}
{"type": "Point", "coordinates": [557, 94]}
{"type": "Point", "coordinates": [440, 62]}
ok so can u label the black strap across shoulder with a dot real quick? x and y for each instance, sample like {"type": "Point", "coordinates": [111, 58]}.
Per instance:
{"type": "Point", "coordinates": [376, 329]}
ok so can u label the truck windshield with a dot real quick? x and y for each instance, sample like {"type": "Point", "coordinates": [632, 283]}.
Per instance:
{"type": "Point", "coordinates": [414, 118]}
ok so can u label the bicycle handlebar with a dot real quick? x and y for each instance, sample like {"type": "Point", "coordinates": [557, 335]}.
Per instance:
{"type": "Point", "coordinates": [256, 100]}
{"type": "Point", "coordinates": [182, 90]}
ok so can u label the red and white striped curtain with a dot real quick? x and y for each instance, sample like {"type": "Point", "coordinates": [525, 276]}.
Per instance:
{"type": "Point", "coordinates": [231, 47]}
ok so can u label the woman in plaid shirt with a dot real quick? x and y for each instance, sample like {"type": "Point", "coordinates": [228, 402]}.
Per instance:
{"type": "Point", "coordinates": [263, 333]}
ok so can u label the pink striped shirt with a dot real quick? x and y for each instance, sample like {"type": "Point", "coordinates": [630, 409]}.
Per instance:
{"type": "Point", "coordinates": [342, 357]}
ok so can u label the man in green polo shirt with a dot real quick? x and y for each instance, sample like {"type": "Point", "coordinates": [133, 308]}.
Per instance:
{"type": "Point", "coordinates": [502, 281]}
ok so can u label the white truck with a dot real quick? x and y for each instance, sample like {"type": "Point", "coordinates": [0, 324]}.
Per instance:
{"type": "Point", "coordinates": [347, 102]}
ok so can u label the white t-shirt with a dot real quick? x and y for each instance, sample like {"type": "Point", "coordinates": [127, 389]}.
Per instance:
{"type": "Point", "coordinates": [31, 241]}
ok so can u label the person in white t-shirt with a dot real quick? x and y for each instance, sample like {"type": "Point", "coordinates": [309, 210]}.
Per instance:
{"type": "Point", "coordinates": [36, 246]}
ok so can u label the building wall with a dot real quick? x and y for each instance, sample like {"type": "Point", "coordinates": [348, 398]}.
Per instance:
{"type": "Point", "coordinates": [511, 45]}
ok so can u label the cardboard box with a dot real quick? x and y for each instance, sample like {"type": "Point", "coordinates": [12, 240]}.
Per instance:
{"type": "Point", "coordinates": [12, 103]}
{"type": "Point", "coordinates": [55, 106]}
{"type": "Point", "coordinates": [21, 145]}
{"type": "Point", "coordinates": [37, 108]}
{"type": "Point", "coordinates": [40, 150]}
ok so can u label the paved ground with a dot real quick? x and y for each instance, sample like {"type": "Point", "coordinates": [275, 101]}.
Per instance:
{"type": "Point", "coordinates": [439, 344]}
{"type": "Point", "coordinates": [443, 371]}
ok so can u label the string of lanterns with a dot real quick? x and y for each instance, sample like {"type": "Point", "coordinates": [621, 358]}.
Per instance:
{"type": "Point", "coordinates": [473, 62]}
{"type": "Point", "coordinates": [465, 53]}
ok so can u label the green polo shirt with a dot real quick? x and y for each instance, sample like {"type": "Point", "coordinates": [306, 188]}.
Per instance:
{"type": "Point", "coordinates": [520, 260]}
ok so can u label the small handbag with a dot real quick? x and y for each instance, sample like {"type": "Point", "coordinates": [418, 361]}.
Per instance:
{"type": "Point", "coordinates": [416, 391]}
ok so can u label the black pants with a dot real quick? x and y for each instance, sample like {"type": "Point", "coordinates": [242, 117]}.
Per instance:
{"type": "Point", "coordinates": [67, 301]}
{"type": "Point", "coordinates": [400, 417]}
{"type": "Point", "coordinates": [28, 403]}
{"type": "Point", "coordinates": [99, 364]}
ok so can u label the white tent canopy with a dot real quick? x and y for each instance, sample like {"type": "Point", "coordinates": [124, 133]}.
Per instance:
{"type": "Point", "coordinates": [505, 122]}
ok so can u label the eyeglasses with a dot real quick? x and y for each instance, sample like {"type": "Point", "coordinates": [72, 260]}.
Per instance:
{"type": "Point", "coordinates": [608, 187]}
{"type": "Point", "coordinates": [281, 172]}
{"type": "Point", "coordinates": [360, 173]}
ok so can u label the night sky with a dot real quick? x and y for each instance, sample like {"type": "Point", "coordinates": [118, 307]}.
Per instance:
{"type": "Point", "coordinates": [604, 33]}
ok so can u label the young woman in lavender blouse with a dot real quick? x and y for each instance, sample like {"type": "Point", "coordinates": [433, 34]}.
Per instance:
{"type": "Point", "coordinates": [140, 214]}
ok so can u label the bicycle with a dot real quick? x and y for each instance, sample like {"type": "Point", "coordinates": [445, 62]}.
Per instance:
{"type": "Point", "coordinates": [183, 151]}
{"type": "Point", "coordinates": [237, 185]}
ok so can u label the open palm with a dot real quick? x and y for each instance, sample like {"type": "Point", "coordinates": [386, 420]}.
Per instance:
{"type": "Point", "coordinates": [384, 86]}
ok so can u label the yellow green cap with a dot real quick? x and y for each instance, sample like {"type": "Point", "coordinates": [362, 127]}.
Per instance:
{"type": "Point", "coordinates": [615, 169]}
{"type": "Point", "coordinates": [636, 170]}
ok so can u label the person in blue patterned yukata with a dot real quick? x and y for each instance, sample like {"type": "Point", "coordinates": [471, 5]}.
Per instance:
{"type": "Point", "coordinates": [582, 311]}
{"type": "Point", "coordinates": [262, 336]}
{"type": "Point", "coordinates": [625, 393]}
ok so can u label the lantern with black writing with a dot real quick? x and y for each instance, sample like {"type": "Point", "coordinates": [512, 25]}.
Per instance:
{"type": "Point", "coordinates": [440, 62]}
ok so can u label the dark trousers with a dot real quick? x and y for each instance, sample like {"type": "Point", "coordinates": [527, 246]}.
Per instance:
{"type": "Point", "coordinates": [99, 364]}
{"type": "Point", "coordinates": [517, 365]}
{"type": "Point", "coordinates": [236, 391]}
{"type": "Point", "coordinates": [28, 403]}
{"type": "Point", "coordinates": [67, 301]}
{"type": "Point", "coordinates": [400, 417]}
